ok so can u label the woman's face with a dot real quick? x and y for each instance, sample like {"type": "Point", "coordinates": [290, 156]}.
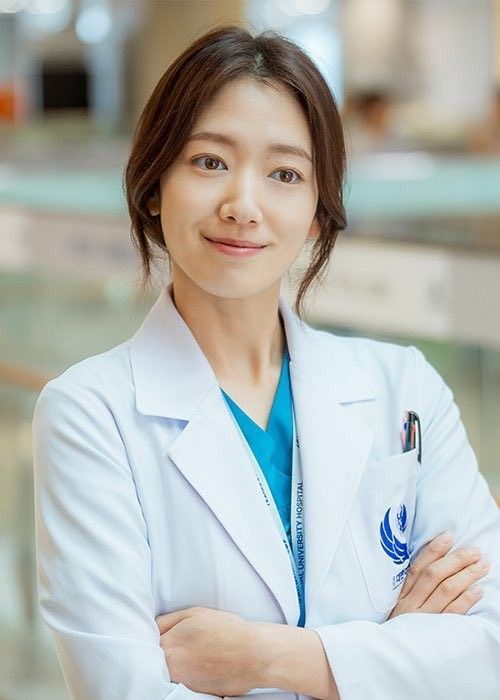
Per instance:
{"type": "Point", "coordinates": [245, 174]}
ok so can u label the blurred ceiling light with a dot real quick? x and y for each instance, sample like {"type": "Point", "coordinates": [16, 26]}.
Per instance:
{"type": "Point", "coordinates": [11, 6]}
{"type": "Point", "coordinates": [44, 17]}
{"type": "Point", "coordinates": [294, 8]}
{"type": "Point", "coordinates": [46, 6]}
{"type": "Point", "coordinates": [93, 24]}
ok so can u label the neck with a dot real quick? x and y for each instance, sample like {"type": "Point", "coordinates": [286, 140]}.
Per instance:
{"type": "Point", "coordinates": [242, 339]}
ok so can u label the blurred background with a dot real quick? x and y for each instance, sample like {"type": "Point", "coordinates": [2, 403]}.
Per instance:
{"type": "Point", "coordinates": [418, 82]}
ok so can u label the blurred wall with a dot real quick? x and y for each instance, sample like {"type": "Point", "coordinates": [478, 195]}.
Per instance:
{"type": "Point", "coordinates": [497, 41]}
{"type": "Point", "coordinates": [454, 38]}
{"type": "Point", "coordinates": [167, 29]}
{"type": "Point", "coordinates": [414, 50]}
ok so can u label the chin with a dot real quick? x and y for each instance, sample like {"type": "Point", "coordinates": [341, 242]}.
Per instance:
{"type": "Point", "coordinates": [234, 290]}
{"type": "Point", "coordinates": [224, 283]}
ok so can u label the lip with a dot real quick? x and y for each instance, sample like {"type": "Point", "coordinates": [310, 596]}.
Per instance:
{"type": "Point", "coordinates": [235, 242]}
{"type": "Point", "coordinates": [234, 248]}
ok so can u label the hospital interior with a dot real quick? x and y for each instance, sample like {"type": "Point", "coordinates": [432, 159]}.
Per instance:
{"type": "Point", "coordinates": [418, 86]}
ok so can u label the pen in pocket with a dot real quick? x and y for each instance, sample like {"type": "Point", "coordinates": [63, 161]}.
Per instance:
{"type": "Point", "coordinates": [411, 435]}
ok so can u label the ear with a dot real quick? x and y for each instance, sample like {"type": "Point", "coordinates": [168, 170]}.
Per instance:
{"type": "Point", "coordinates": [153, 205]}
{"type": "Point", "coordinates": [313, 229]}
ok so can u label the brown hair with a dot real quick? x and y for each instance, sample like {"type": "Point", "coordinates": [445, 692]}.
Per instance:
{"type": "Point", "coordinates": [189, 83]}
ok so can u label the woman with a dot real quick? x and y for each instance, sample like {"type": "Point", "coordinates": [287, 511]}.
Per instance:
{"type": "Point", "coordinates": [236, 475]}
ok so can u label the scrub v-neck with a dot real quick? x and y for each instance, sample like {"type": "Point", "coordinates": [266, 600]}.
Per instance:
{"type": "Point", "coordinates": [272, 447]}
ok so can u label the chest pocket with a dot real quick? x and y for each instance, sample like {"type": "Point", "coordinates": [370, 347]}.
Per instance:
{"type": "Point", "coordinates": [380, 524]}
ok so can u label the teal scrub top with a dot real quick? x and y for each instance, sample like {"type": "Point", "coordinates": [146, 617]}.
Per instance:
{"type": "Point", "coordinates": [272, 447]}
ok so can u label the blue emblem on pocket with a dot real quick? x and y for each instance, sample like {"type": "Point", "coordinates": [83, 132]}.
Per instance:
{"type": "Point", "coordinates": [396, 549]}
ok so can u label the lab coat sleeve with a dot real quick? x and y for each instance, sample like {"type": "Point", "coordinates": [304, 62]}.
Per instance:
{"type": "Point", "coordinates": [93, 558]}
{"type": "Point", "coordinates": [423, 655]}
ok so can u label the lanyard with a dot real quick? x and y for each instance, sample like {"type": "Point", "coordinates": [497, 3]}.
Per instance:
{"type": "Point", "coordinates": [297, 553]}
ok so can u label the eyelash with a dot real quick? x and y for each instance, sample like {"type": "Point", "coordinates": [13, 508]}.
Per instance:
{"type": "Point", "coordinates": [282, 170]}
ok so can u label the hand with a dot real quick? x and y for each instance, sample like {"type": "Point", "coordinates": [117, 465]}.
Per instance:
{"type": "Point", "coordinates": [209, 651]}
{"type": "Point", "coordinates": [438, 582]}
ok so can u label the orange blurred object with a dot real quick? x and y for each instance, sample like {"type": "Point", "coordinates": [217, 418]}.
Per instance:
{"type": "Point", "coordinates": [7, 102]}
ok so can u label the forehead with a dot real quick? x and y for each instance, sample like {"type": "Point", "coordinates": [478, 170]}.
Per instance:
{"type": "Point", "coordinates": [259, 111]}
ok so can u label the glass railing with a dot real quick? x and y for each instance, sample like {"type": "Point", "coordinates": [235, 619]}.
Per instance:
{"type": "Point", "coordinates": [46, 326]}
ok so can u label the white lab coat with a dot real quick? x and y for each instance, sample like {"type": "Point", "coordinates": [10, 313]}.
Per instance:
{"type": "Point", "coordinates": [147, 502]}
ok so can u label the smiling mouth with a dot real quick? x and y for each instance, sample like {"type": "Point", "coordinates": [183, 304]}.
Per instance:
{"type": "Point", "coordinates": [235, 249]}
{"type": "Point", "coordinates": [234, 243]}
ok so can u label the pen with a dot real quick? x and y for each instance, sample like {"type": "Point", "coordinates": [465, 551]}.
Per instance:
{"type": "Point", "coordinates": [412, 434]}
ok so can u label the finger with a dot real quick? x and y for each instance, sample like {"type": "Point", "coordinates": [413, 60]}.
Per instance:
{"type": "Point", "coordinates": [464, 601]}
{"type": "Point", "coordinates": [454, 586]}
{"type": "Point", "coordinates": [432, 551]}
{"type": "Point", "coordinates": [439, 570]}
{"type": "Point", "coordinates": [168, 620]}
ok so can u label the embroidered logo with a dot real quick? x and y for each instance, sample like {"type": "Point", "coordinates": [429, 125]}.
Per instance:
{"type": "Point", "coordinates": [396, 549]}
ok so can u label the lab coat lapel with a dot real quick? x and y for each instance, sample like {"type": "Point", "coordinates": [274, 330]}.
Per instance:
{"type": "Point", "coordinates": [215, 460]}
{"type": "Point", "coordinates": [334, 443]}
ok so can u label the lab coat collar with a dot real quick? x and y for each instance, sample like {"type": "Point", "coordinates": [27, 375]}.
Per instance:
{"type": "Point", "coordinates": [172, 375]}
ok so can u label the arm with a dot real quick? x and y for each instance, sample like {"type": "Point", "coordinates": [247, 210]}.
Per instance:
{"type": "Point", "coordinates": [421, 654]}
{"type": "Point", "coordinates": [293, 658]}
{"type": "Point", "coordinates": [93, 557]}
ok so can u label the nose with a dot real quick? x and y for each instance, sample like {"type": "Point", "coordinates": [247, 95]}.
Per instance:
{"type": "Point", "coordinates": [240, 206]}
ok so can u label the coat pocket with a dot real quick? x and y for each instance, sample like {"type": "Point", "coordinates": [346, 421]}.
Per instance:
{"type": "Point", "coordinates": [380, 524]}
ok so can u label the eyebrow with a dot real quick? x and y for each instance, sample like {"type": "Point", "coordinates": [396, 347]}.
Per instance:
{"type": "Point", "coordinates": [284, 148]}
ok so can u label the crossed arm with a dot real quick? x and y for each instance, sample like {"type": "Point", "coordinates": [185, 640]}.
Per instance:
{"type": "Point", "coordinates": [220, 653]}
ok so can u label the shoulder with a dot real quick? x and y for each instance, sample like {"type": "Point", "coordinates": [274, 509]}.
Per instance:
{"type": "Point", "coordinates": [391, 368]}
{"type": "Point", "coordinates": [78, 425]}
{"type": "Point", "coordinates": [94, 384]}
{"type": "Point", "coordinates": [374, 357]}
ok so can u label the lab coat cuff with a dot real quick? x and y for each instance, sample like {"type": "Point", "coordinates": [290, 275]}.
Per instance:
{"type": "Point", "coordinates": [182, 692]}
{"type": "Point", "coordinates": [341, 645]}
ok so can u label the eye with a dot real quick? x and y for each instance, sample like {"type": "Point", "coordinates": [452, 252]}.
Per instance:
{"type": "Point", "coordinates": [210, 162]}
{"type": "Point", "coordinates": [289, 176]}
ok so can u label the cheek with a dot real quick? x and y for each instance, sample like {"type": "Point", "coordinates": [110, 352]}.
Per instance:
{"type": "Point", "coordinates": [174, 199]}
{"type": "Point", "coordinates": [294, 221]}
{"type": "Point", "coordinates": [187, 188]}
{"type": "Point", "coordinates": [183, 207]}
{"type": "Point", "coordinates": [298, 207]}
